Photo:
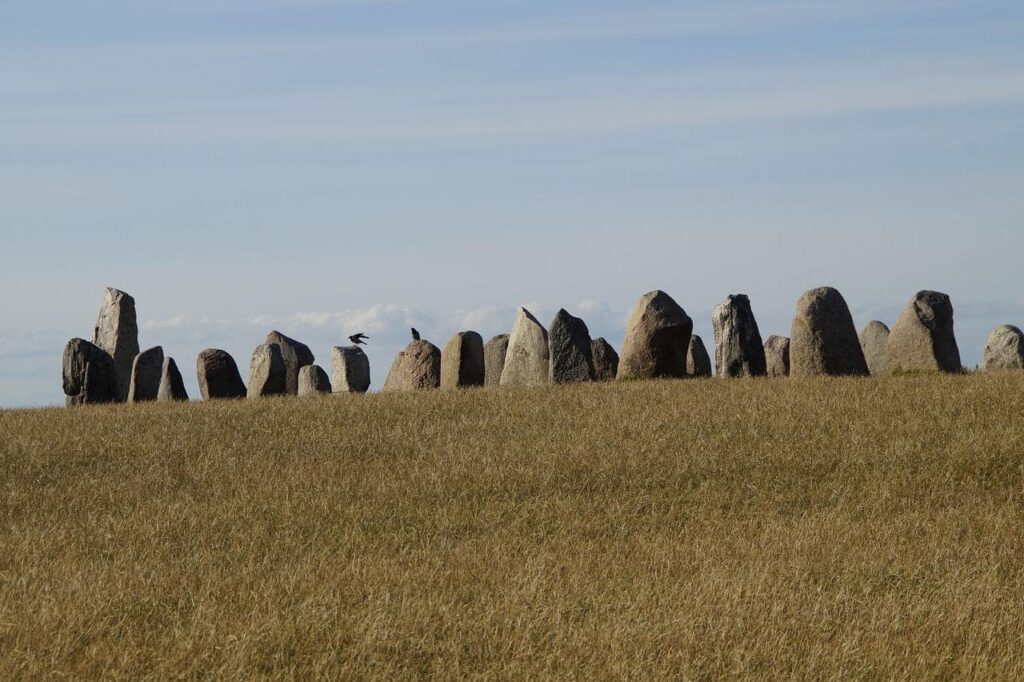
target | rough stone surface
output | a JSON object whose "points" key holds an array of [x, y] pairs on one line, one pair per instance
{"points": [[739, 349], [313, 380], [117, 332], [416, 368], [776, 356], [296, 356], [218, 375], [267, 372], [1005, 349], [874, 341], [698, 362], [922, 338], [89, 375], [657, 339], [606, 360], [350, 370], [824, 340], [146, 372], [570, 351], [172, 386], [494, 359], [527, 359], [462, 361]]}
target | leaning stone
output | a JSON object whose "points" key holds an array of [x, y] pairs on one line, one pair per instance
{"points": [[922, 338], [350, 369], [657, 339], [218, 375], [313, 380], [494, 359], [117, 332], [824, 340], [416, 368], [1005, 349], [267, 372], [572, 357], [146, 372], [698, 362], [172, 387], [296, 356], [89, 375], [462, 361], [606, 360], [739, 350], [874, 341], [527, 359], [776, 356]]}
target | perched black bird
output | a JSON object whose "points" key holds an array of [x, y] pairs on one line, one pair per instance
{"points": [[415, 334], [358, 339]]}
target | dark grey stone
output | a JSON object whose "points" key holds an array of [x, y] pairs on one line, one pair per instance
{"points": [[606, 360], [571, 355], [218, 375], [89, 375], [739, 350], [462, 361], [172, 386], [494, 359], [295, 354], [146, 372]]}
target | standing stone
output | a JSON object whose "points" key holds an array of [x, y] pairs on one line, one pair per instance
{"points": [[218, 375], [350, 369], [776, 356], [824, 340], [1005, 349], [313, 381], [267, 372], [296, 356], [874, 341], [739, 350], [571, 354], [146, 372], [89, 375], [657, 339], [117, 332], [462, 361], [527, 359], [922, 338], [494, 359], [172, 387], [606, 360], [416, 368], [698, 362]]}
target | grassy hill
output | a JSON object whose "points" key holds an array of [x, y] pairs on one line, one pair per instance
{"points": [[864, 528]]}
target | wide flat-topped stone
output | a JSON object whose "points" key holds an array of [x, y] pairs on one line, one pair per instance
{"points": [[218, 375], [350, 370], [89, 375]]}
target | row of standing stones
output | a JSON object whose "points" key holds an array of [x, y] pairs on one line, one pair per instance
{"points": [[659, 343]]}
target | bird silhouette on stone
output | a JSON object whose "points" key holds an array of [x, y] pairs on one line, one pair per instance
{"points": [[415, 334], [357, 339]]}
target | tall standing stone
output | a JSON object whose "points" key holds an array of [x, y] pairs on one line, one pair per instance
{"points": [[313, 380], [494, 359], [89, 375], [874, 341], [527, 358], [117, 332], [296, 355], [1005, 349], [571, 355], [146, 372], [698, 362], [267, 372], [606, 360], [172, 386], [218, 375], [922, 338], [824, 340], [657, 339], [776, 356], [416, 368], [350, 370], [462, 361], [739, 350]]}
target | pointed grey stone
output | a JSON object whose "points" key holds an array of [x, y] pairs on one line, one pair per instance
{"points": [[172, 386], [922, 339], [657, 339], [350, 369], [824, 340], [117, 332], [527, 359], [462, 361], [571, 355], [494, 359], [89, 375], [776, 356], [874, 341], [218, 375], [313, 381], [1005, 349], [698, 362], [606, 360], [296, 355], [267, 372], [145, 379], [739, 350]]}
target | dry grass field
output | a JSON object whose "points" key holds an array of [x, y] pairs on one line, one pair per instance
{"points": [[697, 529]]}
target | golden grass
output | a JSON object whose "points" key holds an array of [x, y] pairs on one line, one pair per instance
{"points": [[697, 529]]}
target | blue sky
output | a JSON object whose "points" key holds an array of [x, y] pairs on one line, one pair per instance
{"points": [[332, 167]]}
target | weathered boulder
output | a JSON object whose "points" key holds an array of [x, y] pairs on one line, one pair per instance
{"points": [[494, 359], [267, 372], [117, 332], [89, 375], [874, 341], [172, 386], [739, 350], [657, 339], [776, 356], [527, 359], [313, 380], [296, 355], [698, 362], [824, 340], [571, 355], [922, 338], [146, 372], [462, 361], [416, 368], [218, 375], [1005, 349], [350, 370], [606, 360]]}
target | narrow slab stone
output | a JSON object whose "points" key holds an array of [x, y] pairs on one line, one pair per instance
{"points": [[922, 339], [1004, 350], [350, 369], [267, 372], [569, 349], [776, 356], [296, 355], [494, 359], [698, 362], [657, 339], [146, 372], [172, 386], [739, 350], [416, 368], [824, 340], [462, 361], [218, 375], [313, 380], [606, 360], [527, 358], [874, 341], [89, 375], [117, 332]]}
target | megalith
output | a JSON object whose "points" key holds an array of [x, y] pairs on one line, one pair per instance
{"points": [[172, 386], [739, 350], [218, 375], [350, 370], [494, 359], [89, 375], [313, 380], [874, 341], [657, 339], [1004, 349], [527, 358], [606, 360], [296, 355], [146, 372], [416, 368], [698, 362], [267, 372], [462, 361], [922, 339], [824, 340], [117, 332], [569, 349], [776, 357]]}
